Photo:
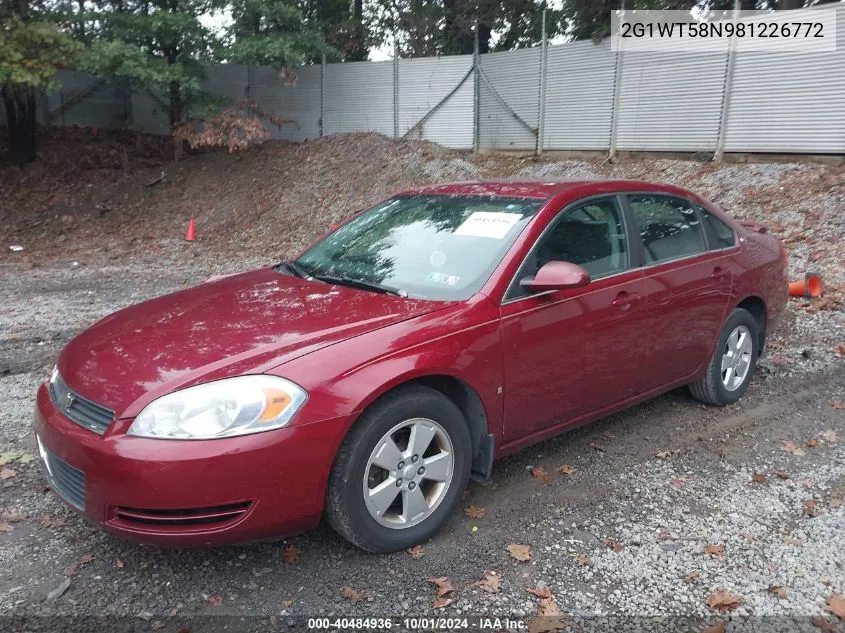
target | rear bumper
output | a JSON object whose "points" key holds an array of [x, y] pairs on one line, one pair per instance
{"points": [[190, 493]]}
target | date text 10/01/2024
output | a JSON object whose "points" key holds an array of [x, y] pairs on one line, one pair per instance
{"points": [[423, 623]]}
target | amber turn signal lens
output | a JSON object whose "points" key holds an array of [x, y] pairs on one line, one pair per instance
{"points": [[277, 402]]}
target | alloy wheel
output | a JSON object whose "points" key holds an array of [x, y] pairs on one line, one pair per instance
{"points": [[408, 473], [736, 358]]}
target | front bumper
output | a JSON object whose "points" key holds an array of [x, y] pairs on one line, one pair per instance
{"points": [[189, 493]]}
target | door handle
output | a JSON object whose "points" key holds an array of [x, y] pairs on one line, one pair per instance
{"points": [[624, 300], [719, 273]]}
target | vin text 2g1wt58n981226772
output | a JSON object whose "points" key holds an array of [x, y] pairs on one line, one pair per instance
{"points": [[370, 377]]}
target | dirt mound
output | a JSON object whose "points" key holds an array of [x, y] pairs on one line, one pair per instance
{"points": [[94, 195], [106, 196]]}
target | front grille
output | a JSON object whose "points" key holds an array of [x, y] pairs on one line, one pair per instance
{"points": [[78, 409], [207, 516], [67, 481]]}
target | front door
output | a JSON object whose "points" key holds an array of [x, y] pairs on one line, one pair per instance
{"points": [[573, 351]]}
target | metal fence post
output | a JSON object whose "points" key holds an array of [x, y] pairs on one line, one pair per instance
{"points": [[719, 154], [541, 98], [323, 96], [476, 94], [395, 89], [617, 89]]}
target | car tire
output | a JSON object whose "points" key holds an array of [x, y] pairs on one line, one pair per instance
{"points": [[364, 477], [734, 361]]}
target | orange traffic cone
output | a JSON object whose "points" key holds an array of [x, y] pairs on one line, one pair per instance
{"points": [[191, 233], [810, 286]]}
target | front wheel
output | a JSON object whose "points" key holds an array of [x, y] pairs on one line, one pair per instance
{"points": [[729, 371], [400, 472]]}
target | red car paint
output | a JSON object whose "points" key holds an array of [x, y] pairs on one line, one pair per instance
{"points": [[539, 365]]}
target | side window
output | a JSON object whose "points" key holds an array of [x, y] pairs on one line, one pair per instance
{"points": [[591, 234], [719, 234], [668, 226]]}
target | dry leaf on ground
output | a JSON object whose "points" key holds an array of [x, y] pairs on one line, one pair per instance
{"points": [[474, 512], [758, 478], [354, 596], [837, 404], [443, 585], [119, 564], [723, 601], [540, 592], [665, 454], [782, 474], [520, 552], [565, 469], [693, 576], [540, 473], [548, 607], [830, 435], [596, 447], [810, 508], [836, 605], [823, 624], [583, 559], [416, 552], [716, 627], [7, 473], [5, 527], [87, 557], [812, 442], [792, 447], [715, 550], [215, 600], [791, 540], [291, 554], [287, 604], [613, 544], [444, 588], [491, 583], [779, 591], [52, 522]]}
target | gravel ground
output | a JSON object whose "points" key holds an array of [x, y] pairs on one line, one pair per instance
{"points": [[666, 507]]}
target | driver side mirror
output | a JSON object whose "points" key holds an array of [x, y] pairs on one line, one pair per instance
{"points": [[556, 276]]}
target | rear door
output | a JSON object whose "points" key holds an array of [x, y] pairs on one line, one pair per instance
{"points": [[687, 285], [573, 351]]}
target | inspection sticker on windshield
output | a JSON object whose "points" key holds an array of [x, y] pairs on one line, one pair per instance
{"points": [[440, 278], [488, 224]]}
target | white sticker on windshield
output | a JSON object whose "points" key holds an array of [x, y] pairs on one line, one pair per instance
{"points": [[488, 224]]}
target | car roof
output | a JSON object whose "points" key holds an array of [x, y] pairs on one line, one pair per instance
{"points": [[541, 189]]}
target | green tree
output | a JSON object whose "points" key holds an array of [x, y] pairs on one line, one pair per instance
{"points": [[31, 50], [448, 27], [162, 45]]}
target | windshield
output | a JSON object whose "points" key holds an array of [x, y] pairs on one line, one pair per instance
{"points": [[438, 247]]}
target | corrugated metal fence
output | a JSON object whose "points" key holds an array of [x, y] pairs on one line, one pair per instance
{"points": [[594, 99]]}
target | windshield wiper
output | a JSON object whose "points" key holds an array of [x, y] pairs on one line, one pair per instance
{"points": [[295, 268], [363, 285]]}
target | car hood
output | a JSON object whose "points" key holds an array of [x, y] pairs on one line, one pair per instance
{"points": [[247, 323]]}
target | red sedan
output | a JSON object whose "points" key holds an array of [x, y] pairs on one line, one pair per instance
{"points": [[367, 380]]}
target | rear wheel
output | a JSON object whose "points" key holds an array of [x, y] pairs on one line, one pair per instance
{"points": [[729, 371], [400, 472]]}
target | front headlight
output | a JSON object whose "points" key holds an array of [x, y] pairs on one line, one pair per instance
{"points": [[233, 406]]}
